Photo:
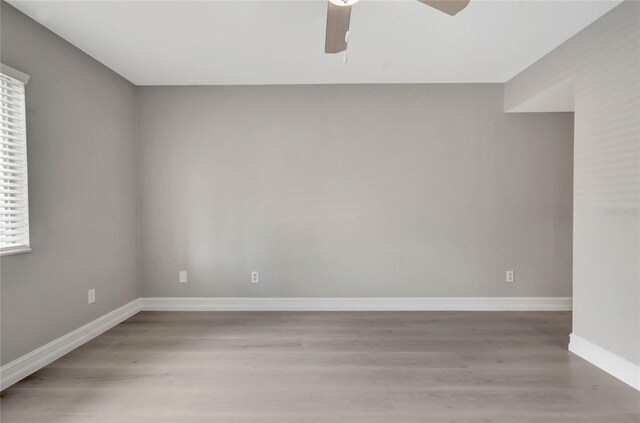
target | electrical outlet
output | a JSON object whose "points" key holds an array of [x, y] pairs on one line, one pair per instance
{"points": [[255, 277], [92, 296], [182, 276], [510, 276]]}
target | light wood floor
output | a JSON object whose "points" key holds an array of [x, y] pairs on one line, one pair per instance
{"points": [[230, 367]]}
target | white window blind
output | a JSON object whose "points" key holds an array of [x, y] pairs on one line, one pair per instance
{"points": [[14, 202]]}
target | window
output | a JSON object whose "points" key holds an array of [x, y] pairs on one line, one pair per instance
{"points": [[14, 201]]}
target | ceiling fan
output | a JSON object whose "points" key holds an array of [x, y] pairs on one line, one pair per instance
{"points": [[339, 15]]}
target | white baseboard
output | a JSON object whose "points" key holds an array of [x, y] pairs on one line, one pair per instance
{"points": [[611, 363], [357, 304], [29, 363]]}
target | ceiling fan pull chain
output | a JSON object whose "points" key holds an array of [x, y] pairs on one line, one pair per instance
{"points": [[346, 41]]}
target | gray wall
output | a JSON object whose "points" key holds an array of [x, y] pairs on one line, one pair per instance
{"points": [[385, 190], [604, 59], [82, 190]]}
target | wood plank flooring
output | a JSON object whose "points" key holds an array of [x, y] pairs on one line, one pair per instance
{"points": [[302, 367]]}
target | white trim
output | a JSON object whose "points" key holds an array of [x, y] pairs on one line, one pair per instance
{"points": [[7, 251], [15, 74], [355, 304], [23, 366], [611, 363]]}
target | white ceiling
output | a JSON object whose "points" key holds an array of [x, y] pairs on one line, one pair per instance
{"points": [[282, 42]]}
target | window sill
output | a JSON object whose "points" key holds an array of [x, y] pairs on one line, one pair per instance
{"points": [[14, 250]]}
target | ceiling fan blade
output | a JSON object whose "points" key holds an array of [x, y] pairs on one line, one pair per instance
{"points": [[450, 7], [338, 18]]}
